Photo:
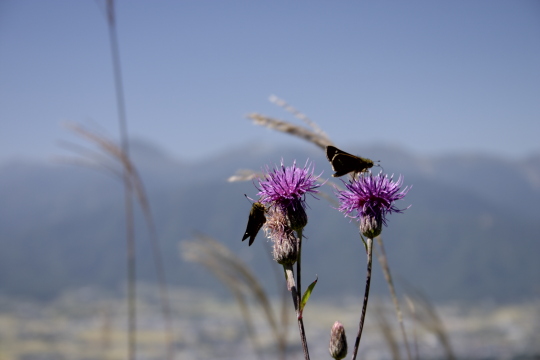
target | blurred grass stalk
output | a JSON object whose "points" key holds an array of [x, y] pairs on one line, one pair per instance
{"points": [[386, 330], [425, 314], [381, 256], [239, 279], [131, 178], [130, 230], [107, 160], [133, 186]]}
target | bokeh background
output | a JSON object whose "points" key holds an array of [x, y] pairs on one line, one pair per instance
{"points": [[445, 93]]}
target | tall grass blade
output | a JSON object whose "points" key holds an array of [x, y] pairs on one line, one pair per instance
{"points": [[110, 150], [383, 260], [233, 272]]}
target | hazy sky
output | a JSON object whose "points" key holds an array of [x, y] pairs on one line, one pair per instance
{"points": [[431, 76]]}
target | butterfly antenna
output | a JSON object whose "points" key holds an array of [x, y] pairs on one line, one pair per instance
{"points": [[379, 165], [249, 199]]}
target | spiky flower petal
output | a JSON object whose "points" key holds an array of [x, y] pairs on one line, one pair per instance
{"points": [[285, 188], [372, 197]]}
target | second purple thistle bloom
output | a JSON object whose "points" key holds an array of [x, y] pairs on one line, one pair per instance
{"points": [[372, 196]]}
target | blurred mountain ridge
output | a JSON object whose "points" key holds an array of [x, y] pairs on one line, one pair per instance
{"points": [[471, 233]]}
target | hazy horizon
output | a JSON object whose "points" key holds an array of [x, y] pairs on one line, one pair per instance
{"points": [[62, 154]]}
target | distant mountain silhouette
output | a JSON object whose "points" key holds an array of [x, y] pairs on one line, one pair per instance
{"points": [[471, 233]]}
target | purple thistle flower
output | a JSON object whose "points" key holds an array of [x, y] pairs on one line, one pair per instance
{"points": [[286, 185], [373, 197], [285, 188]]}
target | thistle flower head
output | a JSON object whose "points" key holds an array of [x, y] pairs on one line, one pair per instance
{"points": [[338, 341], [372, 197], [285, 249], [278, 230], [285, 188]]}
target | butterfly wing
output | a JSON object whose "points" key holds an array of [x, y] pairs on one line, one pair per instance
{"points": [[344, 163], [332, 151], [255, 221]]}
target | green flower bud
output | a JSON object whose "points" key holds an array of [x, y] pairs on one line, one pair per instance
{"points": [[370, 226]]}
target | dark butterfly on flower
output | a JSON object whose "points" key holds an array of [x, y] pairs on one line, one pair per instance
{"points": [[344, 163], [255, 222]]}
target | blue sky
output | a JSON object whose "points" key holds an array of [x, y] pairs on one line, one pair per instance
{"points": [[432, 76]]}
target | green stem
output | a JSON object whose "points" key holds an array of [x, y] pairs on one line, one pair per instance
{"points": [[369, 246], [298, 301]]}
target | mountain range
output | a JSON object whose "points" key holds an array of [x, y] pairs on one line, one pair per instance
{"points": [[471, 233]]}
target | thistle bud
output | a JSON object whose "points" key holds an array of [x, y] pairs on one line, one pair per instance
{"points": [[371, 226], [338, 341]]}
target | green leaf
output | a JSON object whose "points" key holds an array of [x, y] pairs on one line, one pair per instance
{"points": [[307, 294]]}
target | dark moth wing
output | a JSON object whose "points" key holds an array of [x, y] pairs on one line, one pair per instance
{"points": [[344, 163], [255, 221]]}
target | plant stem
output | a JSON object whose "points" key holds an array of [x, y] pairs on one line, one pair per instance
{"points": [[299, 272], [369, 245], [297, 297]]}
